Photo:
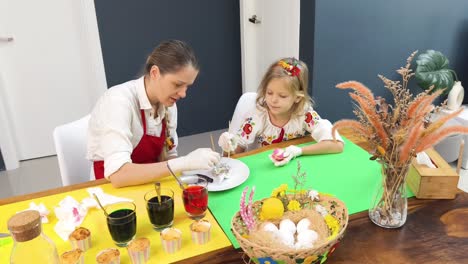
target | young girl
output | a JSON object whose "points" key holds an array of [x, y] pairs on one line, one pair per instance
{"points": [[284, 111]]}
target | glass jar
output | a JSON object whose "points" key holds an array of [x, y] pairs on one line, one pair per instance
{"points": [[31, 245], [389, 207]]}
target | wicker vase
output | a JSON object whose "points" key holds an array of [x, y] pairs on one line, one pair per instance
{"points": [[389, 205]]}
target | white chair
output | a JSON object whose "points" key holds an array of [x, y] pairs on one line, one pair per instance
{"points": [[70, 144], [245, 104]]}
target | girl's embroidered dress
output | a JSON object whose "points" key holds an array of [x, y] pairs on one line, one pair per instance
{"points": [[257, 128]]}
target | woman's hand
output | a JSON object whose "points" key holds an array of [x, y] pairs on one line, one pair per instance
{"points": [[199, 159]]}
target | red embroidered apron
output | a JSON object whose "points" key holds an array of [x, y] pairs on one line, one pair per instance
{"points": [[148, 149]]}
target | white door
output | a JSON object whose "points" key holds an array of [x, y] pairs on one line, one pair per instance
{"points": [[274, 35], [51, 73]]}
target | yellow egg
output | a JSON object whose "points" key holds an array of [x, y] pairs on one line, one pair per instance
{"points": [[272, 208]]}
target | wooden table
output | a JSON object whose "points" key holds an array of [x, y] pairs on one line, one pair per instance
{"points": [[436, 231]]}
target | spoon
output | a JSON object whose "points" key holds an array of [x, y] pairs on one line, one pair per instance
{"points": [[229, 129], [157, 186], [100, 205], [212, 143], [181, 184]]}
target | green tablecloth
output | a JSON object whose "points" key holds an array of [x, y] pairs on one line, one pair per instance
{"points": [[350, 176]]}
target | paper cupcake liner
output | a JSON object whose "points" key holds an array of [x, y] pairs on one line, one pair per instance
{"points": [[115, 261], [140, 256], [83, 244], [81, 259], [201, 238], [171, 246]]}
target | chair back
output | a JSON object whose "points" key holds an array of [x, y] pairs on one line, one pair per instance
{"points": [[246, 104], [70, 144]]}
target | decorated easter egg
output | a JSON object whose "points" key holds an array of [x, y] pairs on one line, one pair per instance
{"points": [[279, 154], [287, 225]]}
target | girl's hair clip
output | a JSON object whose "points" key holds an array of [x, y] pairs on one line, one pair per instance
{"points": [[291, 69]]}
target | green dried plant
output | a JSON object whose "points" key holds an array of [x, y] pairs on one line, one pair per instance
{"points": [[300, 178]]}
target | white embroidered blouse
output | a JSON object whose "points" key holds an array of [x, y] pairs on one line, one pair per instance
{"points": [[116, 128], [257, 129]]}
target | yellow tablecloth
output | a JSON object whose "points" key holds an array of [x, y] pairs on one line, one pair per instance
{"points": [[95, 221]]}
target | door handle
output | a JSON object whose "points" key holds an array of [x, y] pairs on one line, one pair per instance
{"points": [[255, 20], [6, 39]]}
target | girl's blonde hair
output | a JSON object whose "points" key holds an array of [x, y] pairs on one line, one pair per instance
{"points": [[297, 83]]}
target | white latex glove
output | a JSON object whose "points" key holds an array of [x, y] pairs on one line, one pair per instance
{"points": [[199, 159], [289, 153], [228, 142]]}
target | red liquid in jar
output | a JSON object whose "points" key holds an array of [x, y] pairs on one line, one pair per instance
{"points": [[195, 199]]}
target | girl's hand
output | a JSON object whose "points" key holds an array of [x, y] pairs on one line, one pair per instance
{"points": [[228, 142], [281, 157]]}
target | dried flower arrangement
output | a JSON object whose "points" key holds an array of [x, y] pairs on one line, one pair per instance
{"points": [[396, 133], [291, 225]]}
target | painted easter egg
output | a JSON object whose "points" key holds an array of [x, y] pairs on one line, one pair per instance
{"points": [[279, 154]]}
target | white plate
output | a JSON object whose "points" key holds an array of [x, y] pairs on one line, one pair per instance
{"points": [[238, 174]]}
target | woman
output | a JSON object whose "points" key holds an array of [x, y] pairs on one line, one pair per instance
{"points": [[132, 136]]}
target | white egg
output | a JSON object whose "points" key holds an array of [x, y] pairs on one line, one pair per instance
{"points": [[307, 237], [286, 237], [288, 225], [269, 226], [301, 245], [304, 224]]}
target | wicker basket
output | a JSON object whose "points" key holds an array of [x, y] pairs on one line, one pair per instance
{"points": [[322, 248]]}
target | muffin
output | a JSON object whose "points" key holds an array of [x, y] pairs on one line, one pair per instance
{"points": [[80, 238], [139, 250], [75, 256], [171, 240], [201, 231], [108, 256]]}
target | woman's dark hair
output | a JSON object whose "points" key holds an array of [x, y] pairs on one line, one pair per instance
{"points": [[170, 56]]}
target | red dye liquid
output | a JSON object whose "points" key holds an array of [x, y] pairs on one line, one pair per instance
{"points": [[195, 199]]}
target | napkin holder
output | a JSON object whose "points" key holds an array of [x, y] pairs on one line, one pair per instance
{"points": [[433, 183]]}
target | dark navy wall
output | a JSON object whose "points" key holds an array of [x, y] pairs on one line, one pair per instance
{"points": [[129, 30], [356, 40], [306, 37]]}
